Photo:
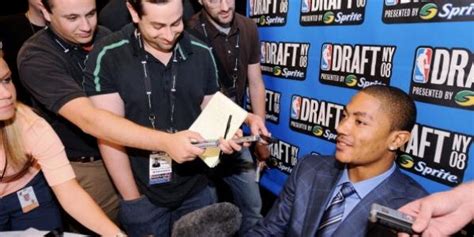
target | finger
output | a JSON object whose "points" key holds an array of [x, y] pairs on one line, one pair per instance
{"points": [[234, 145], [423, 217], [225, 146], [194, 136]]}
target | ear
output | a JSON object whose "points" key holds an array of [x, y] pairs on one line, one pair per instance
{"points": [[398, 139], [46, 14], [133, 13], [200, 2]]}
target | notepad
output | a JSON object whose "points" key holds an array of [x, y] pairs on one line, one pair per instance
{"points": [[212, 123]]}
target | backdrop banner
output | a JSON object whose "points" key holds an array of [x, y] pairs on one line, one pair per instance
{"points": [[316, 54]]}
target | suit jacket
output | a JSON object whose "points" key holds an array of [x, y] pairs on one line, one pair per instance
{"points": [[299, 209]]}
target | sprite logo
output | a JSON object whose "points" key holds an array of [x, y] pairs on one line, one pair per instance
{"points": [[464, 98], [351, 80], [428, 11], [328, 17], [317, 130], [406, 161], [261, 20], [277, 71]]}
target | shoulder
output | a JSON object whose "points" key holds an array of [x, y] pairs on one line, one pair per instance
{"points": [[120, 37], [245, 22], [29, 121], [195, 43], [194, 21], [317, 165], [40, 45], [405, 186]]}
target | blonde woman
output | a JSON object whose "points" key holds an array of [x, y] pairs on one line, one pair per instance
{"points": [[31, 158]]}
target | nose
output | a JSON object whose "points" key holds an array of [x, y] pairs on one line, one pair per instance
{"points": [[225, 5], [343, 127], [5, 93], [168, 34], [85, 25]]}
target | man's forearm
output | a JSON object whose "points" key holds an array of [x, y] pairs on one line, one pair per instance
{"points": [[108, 126], [118, 165]]}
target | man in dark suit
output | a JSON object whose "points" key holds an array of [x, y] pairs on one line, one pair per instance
{"points": [[332, 197]]}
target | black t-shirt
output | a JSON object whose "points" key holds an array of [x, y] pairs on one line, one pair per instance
{"points": [[115, 66], [14, 31], [52, 71]]}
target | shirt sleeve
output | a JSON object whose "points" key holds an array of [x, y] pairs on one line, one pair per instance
{"points": [[45, 76], [44, 145], [98, 76], [254, 56]]}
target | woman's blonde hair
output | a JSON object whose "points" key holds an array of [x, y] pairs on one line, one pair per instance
{"points": [[12, 142]]}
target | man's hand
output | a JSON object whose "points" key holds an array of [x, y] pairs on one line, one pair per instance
{"points": [[256, 124], [179, 147], [229, 146], [440, 214]]}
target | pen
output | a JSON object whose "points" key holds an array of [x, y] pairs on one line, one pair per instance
{"points": [[227, 126]]}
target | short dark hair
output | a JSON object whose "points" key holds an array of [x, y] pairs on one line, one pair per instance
{"points": [[138, 5], [47, 5], [400, 107]]}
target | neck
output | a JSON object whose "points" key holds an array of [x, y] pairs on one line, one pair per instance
{"points": [[364, 172], [163, 56], [35, 17], [217, 24]]}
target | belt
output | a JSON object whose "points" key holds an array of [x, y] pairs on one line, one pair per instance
{"points": [[84, 159]]}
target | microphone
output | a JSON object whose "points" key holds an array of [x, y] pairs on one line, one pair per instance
{"points": [[216, 220]]}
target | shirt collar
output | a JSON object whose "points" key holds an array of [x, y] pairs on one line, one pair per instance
{"points": [[182, 49], [66, 46], [365, 187]]}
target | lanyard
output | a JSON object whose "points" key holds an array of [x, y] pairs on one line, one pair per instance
{"points": [[148, 88], [236, 53]]}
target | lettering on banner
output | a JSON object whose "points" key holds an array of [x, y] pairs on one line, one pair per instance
{"points": [[268, 12], [444, 77], [272, 105], [436, 154], [332, 12], [284, 155], [317, 118], [356, 66], [287, 60], [418, 11]]}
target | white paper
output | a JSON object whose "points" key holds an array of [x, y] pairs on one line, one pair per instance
{"points": [[212, 123]]}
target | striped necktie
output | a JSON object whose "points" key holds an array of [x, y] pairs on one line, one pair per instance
{"points": [[333, 215]]}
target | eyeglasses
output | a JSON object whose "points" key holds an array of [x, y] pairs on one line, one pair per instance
{"points": [[217, 2]]}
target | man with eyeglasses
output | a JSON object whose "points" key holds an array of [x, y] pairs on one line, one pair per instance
{"points": [[235, 42]]}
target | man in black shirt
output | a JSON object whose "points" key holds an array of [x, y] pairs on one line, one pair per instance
{"points": [[50, 67], [156, 75]]}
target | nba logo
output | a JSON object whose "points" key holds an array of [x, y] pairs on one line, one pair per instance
{"points": [[391, 2], [295, 107], [326, 57], [421, 70], [305, 6]]}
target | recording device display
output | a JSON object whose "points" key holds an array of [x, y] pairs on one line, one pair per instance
{"points": [[254, 138], [391, 218]]}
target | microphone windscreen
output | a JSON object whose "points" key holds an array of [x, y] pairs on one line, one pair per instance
{"points": [[216, 220]]}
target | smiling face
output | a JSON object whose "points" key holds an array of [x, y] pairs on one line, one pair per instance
{"points": [[7, 92], [221, 12], [160, 25], [73, 20], [364, 135]]}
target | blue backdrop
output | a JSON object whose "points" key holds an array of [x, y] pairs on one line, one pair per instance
{"points": [[316, 54]]}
